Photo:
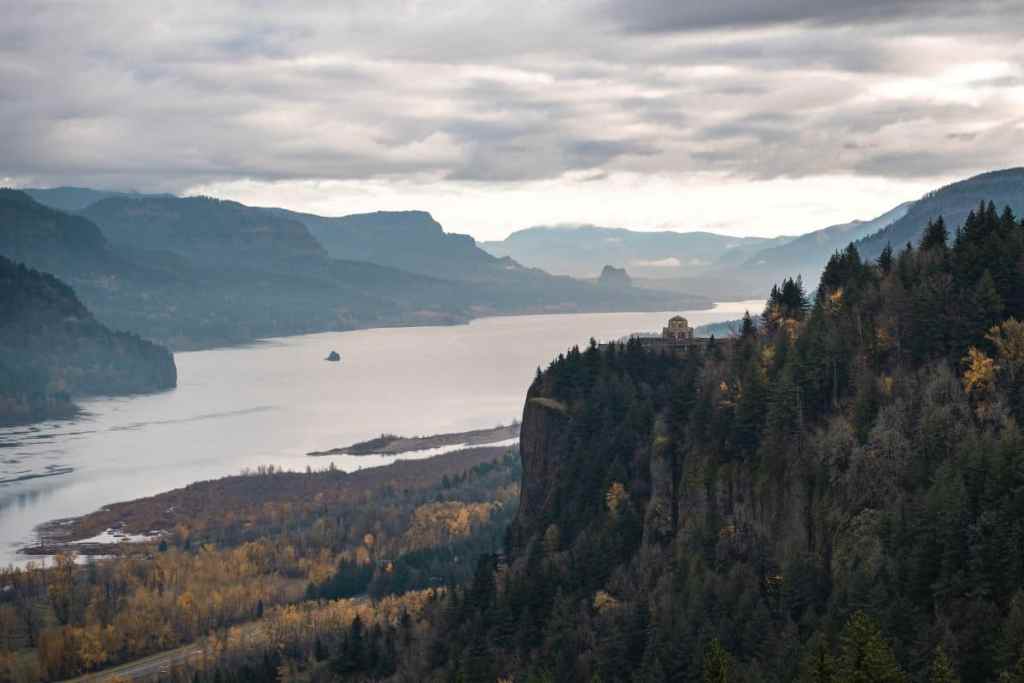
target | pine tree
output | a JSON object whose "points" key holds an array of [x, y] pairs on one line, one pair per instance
{"points": [[748, 330], [941, 670], [818, 665], [319, 651], [935, 235], [356, 644], [864, 656], [717, 664], [750, 410], [885, 259], [987, 305]]}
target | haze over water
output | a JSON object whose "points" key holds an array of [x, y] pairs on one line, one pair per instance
{"points": [[272, 402]]}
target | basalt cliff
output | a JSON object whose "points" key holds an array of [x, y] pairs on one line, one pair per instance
{"points": [[832, 495]]}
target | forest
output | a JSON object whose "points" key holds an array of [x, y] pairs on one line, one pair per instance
{"points": [[52, 349], [271, 567], [835, 494]]}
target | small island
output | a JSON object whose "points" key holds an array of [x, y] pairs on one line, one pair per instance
{"points": [[333, 357], [392, 444]]}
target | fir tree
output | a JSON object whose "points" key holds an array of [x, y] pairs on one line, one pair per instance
{"points": [[941, 670], [864, 656], [885, 260], [717, 664], [935, 235]]}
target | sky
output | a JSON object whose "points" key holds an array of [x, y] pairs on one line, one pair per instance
{"points": [[743, 117]]}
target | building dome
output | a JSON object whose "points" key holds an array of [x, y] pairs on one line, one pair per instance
{"points": [[678, 329]]}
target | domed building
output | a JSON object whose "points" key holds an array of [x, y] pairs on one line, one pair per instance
{"points": [[677, 330]]}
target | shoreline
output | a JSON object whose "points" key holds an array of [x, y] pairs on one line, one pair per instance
{"points": [[707, 305], [392, 444], [135, 524]]}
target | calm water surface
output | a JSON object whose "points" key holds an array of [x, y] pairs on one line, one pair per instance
{"points": [[273, 402]]}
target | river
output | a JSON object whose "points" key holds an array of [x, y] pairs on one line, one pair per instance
{"points": [[274, 401]]}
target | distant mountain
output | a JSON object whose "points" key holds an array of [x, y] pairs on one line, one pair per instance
{"points": [[204, 229], [614, 277], [414, 241], [209, 290], [583, 251], [50, 240], [52, 349], [806, 254], [196, 272], [77, 198], [409, 240], [953, 202]]}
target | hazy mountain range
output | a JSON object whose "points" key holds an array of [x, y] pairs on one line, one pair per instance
{"points": [[583, 250], [953, 202], [728, 267], [52, 349], [195, 271]]}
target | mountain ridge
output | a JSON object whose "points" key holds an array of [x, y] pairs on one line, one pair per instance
{"points": [[52, 349], [196, 272], [1004, 187]]}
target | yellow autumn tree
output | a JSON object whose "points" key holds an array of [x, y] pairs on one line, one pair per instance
{"points": [[980, 375], [1008, 340], [616, 499]]}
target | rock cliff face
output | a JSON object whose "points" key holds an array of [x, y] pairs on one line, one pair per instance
{"points": [[204, 229], [847, 478], [542, 444], [579, 454], [614, 277], [409, 240]]}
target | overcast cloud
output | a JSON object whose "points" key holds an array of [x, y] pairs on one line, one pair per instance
{"points": [[741, 116]]}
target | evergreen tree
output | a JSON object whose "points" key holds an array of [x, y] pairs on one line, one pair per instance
{"points": [[935, 235], [864, 656], [748, 330], [885, 260], [818, 665], [717, 664], [941, 670]]}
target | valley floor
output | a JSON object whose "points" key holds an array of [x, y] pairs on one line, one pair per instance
{"points": [[222, 569]]}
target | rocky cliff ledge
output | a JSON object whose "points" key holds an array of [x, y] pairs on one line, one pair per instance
{"points": [[541, 440]]}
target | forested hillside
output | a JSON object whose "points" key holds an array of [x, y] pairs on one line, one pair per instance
{"points": [[51, 349], [205, 273], [197, 272], [237, 555], [410, 240], [836, 496], [203, 229], [953, 202]]}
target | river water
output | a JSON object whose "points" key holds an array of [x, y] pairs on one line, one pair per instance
{"points": [[274, 401]]}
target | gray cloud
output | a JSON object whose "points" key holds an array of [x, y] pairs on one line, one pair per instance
{"points": [[159, 97], [670, 15]]}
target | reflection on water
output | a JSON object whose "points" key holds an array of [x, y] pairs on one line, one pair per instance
{"points": [[273, 402]]}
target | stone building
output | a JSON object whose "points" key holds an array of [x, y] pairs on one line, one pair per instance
{"points": [[677, 330]]}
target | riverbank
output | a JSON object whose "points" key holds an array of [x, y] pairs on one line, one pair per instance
{"points": [[391, 444], [236, 500], [275, 401]]}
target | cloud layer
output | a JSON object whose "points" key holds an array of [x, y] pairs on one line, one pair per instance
{"points": [[495, 97]]}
